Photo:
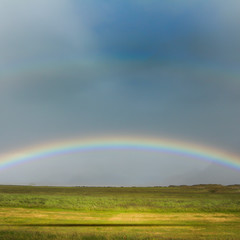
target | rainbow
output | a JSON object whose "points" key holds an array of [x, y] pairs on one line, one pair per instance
{"points": [[56, 64], [160, 145]]}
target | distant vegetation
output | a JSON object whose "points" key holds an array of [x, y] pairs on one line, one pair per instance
{"points": [[174, 212]]}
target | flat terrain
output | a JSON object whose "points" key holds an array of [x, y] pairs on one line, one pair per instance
{"points": [[174, 212]]}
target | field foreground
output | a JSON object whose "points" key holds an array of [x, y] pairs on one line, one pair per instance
{"points": [[175, 212]]}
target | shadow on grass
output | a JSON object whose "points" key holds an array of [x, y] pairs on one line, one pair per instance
{"points": [[108, 225]]}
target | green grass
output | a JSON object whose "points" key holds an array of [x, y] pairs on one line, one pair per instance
{"points": [[175, 212], [212, 198]]}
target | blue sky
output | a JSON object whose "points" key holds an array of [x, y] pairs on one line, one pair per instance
{"points": [[157, 68]]}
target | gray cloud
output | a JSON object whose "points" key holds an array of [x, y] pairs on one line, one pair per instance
{"points": [[212, 174], [71, 69], [112, 167]]}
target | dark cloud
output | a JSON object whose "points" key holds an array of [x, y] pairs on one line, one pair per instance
{"points": [[71, 69], [213, 174]]}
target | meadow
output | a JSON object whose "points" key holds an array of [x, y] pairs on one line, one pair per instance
{"points": [[174, 212]]}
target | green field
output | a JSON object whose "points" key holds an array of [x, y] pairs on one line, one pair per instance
{"points": [[174, 212]]}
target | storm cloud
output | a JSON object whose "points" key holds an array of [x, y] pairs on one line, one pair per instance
{"points": [[72, 69]]}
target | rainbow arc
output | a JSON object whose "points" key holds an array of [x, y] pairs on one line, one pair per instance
{"points": [[160, 145]]}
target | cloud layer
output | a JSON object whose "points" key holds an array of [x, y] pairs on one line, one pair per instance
{"points": [[79, 68]]}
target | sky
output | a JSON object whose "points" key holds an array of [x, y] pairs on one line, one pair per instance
{"points": [[79, 68]]}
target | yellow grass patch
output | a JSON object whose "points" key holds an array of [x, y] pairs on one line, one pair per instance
{"points": [[15, 215]]}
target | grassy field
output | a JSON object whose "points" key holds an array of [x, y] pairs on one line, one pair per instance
{"points": [[174, 212]]}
